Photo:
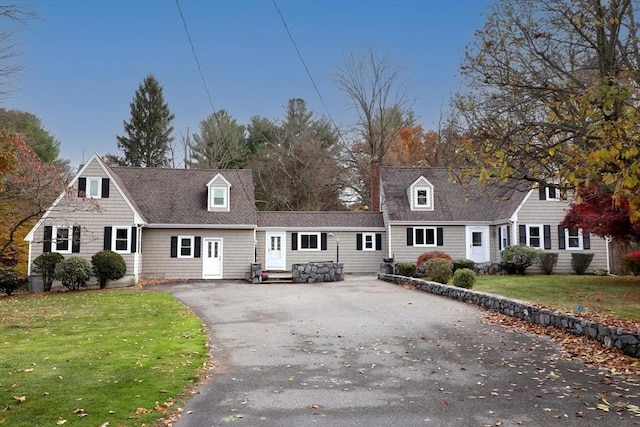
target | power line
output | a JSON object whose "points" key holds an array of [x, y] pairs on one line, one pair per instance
{"points": [[306, 68]]}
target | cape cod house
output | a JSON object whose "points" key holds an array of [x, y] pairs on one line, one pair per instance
{"points": [[203, 224]]}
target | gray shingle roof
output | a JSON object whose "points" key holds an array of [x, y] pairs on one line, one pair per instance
{"points": [[179, 196], [341, 219], [453, 201]]}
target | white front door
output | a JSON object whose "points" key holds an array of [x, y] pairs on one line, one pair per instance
{"points": [[478, 243], [275, 251], [212, 259]]}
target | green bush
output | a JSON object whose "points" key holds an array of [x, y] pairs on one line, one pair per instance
{"points": [[580, 261], [407, 269], [464, 278], [74, 272], [108, 265], [439, 269], [10, 280], [461, 263], [517, 258], [548, 260], [45, 264]]}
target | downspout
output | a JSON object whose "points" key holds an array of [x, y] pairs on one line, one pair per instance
{"points": [[136, 255], [606, 240]]}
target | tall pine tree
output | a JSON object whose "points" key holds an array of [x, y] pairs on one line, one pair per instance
{"points": [[148, 133]]}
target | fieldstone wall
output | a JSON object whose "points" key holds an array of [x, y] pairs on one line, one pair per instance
{"points": [[314, 272], [628, 342]]}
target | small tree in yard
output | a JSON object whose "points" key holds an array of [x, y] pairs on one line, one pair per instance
{"points": [[108, 265], [45, 264], [517, 258], [74, 272], [10, 280]]}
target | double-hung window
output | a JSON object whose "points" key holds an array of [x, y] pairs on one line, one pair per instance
{"points": [[61, 241], [309, 241], [219, 197], [121, 239], [534, 236], [424, 236], [368, 241], [185, 246], [94, 188], [573, 237]]}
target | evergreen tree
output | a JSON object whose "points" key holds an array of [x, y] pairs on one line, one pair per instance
{"points": [[148, 133]]}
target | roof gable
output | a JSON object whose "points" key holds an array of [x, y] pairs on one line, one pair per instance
{"points": [[420, 195]]}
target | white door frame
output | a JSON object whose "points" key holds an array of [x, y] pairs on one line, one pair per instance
{"points": [[470, 229], [205, 258], [283, 250]]}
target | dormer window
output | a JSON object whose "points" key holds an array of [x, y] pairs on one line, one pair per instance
{"points": [[218, 189], [421, 195]]}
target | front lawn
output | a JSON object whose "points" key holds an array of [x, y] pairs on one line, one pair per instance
{"points": [[600, 295], [94, 358]]}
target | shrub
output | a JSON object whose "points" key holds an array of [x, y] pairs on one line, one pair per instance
{"points": [[517, 258], [631, 262], [463, 263], [45, 264], [108, 265], [10, 280], [422, 259], [580, 261], [439, 269], [407, 269], [74, 272], [464, 278], [548, 260]]}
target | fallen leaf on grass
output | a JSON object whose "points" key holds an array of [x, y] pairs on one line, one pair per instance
{"points": [[19, 398]]}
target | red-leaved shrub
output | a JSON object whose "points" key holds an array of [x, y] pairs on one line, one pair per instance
{"points": [[632, 262], [430, 255]]}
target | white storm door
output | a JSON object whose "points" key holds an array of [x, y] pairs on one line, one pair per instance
{"points": [[212, 259], [478, 243], [275, 251]]}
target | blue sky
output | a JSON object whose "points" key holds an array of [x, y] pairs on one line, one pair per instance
{"points": [[85, 59]]}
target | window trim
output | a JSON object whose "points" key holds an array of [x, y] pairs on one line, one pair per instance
{"points": [[225, 195], [425, 245], [114, 239], [567, 239], [192, 246], [318, 241], [429, 197], [540, 237], [88, 187], [54, 239], [373, 241], [504, 237], [548, 190]]}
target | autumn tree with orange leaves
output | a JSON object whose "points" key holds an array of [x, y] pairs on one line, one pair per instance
{"points": [[413, 146], [27, 187]]}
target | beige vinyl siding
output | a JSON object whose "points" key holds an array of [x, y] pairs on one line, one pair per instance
{"points": [[355, 261], [453, 239], [92, 215], [552, 212], [237, 253]]}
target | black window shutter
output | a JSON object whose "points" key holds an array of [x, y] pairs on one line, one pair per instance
{"points": [[409, 236], [174, 246], [547, 236], [439, 236], [586, 241], [75, 242], [197, 246], [500, 237], [323, 241], [107, 238], [378, 241], [522, 231], [561, 242], [48, 231], [542, 190], [105, 188], [508, 235], [82, 187], [134, 240], [359, 241], [294, 241]]}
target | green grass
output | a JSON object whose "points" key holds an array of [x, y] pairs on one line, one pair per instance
{"points": [[604, 295], [94, 357]]}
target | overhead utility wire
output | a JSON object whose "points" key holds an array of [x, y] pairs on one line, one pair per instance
{"points": [[306, 68], [206, 89]]}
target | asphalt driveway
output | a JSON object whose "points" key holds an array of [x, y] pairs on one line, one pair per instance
{"points": [[368, 353]]}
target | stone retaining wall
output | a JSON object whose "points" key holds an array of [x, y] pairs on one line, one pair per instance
{"points": [[314, 272], [628, 342]]}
